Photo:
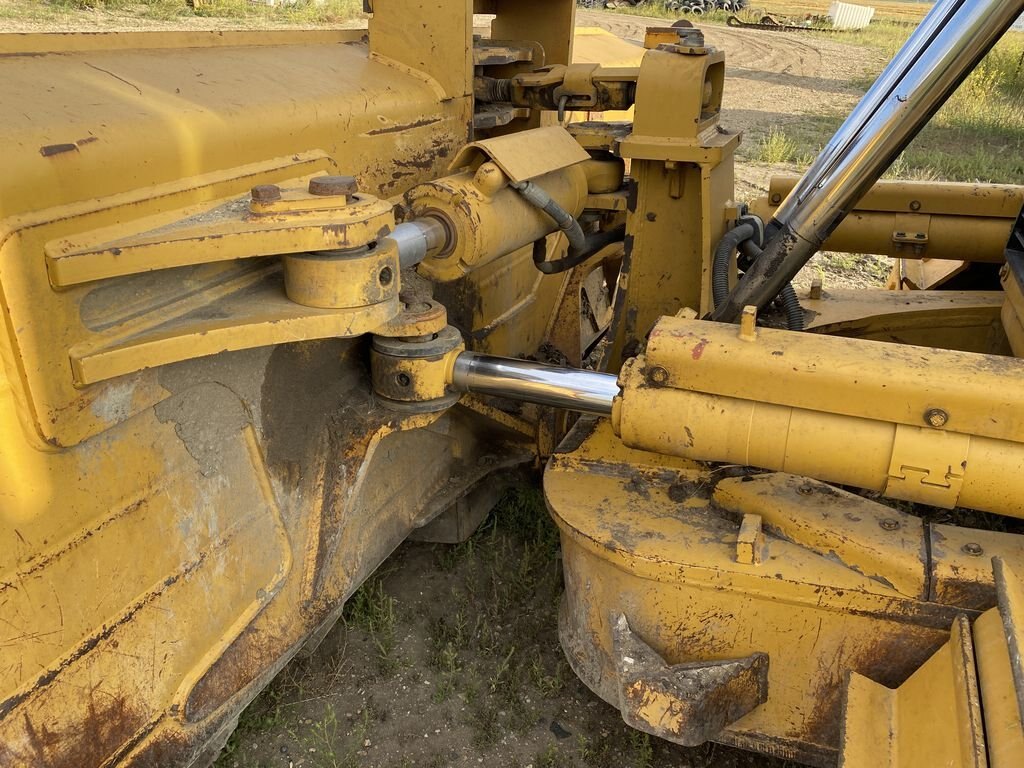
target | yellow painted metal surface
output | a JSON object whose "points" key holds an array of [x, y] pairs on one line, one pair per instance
{"points": [[936, 427], [919, 219], [642, 537], [1012, 313], [220, 231], [865, 535], [968, 321], [682, 176], [181, 509], [486, 217], [1004, 732], [897, 729], [165, 377]]}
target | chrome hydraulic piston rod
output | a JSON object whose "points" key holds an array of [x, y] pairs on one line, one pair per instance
{"points": [[573, 389], [943, 50]]}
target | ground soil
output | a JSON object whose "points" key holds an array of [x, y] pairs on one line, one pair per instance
{"points": [[467, 671]]}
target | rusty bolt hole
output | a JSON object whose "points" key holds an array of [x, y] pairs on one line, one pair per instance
{"points": [[386, 276], [403, 379]]}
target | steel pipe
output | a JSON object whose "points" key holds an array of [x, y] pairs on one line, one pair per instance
{"points": [[569, 388], [940, 54], [840, 142]]}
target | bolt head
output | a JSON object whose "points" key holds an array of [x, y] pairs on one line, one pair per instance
{"points": [[776, 198], [972, 549], [327, 186], [806, 489], [936, 417], [657, 376], [889, 524], [915, 205], [266, 193]]}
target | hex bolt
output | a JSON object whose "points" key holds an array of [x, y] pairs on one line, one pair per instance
{"points": [[386, 275], [972, 549], [776, 198], [936, 417], [403, 379], [657, 376], [805, 490], [915, 205], [329, 186], [265, 193], [889, 524]]}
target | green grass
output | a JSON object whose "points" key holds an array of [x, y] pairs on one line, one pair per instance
{"points": [[953, 147], [373, 610], [776, 147], [300, 11], [977, 136]]}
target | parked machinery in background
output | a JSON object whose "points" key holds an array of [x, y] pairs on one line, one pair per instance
{"points": [[273, 301], [696, 7]]}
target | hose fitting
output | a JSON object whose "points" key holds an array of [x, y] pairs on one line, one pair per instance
{"points": [[538, 198]]}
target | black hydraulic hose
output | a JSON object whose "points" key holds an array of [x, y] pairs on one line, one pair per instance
{"points": [[723, 260], [740, 237], [538, 198], [594, 242], [794, 312]]}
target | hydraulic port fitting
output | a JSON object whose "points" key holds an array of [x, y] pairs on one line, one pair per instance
{"points": [[485, 218]]}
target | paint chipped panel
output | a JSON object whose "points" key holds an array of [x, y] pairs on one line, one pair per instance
{"points": [[124, 631]]}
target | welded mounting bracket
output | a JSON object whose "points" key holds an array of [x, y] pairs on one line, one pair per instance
{"points": [[687, 703]]}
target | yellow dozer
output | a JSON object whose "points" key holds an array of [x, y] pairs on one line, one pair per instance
{"points": [[273, 301]]}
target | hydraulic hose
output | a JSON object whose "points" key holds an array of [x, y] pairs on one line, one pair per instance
{"points": [[594, 242], [724, 254], [538, 198], [940, 54], [740, 237], [791, 304]]}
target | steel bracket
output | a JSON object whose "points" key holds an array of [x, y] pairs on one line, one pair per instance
{"points": [[687, 703]]}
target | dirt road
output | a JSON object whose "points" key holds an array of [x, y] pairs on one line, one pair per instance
{"points": [[772, 78]]}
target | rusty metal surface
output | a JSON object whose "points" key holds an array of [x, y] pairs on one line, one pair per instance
{"points": [[641, 537], [172, 537], [688, 703]]}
